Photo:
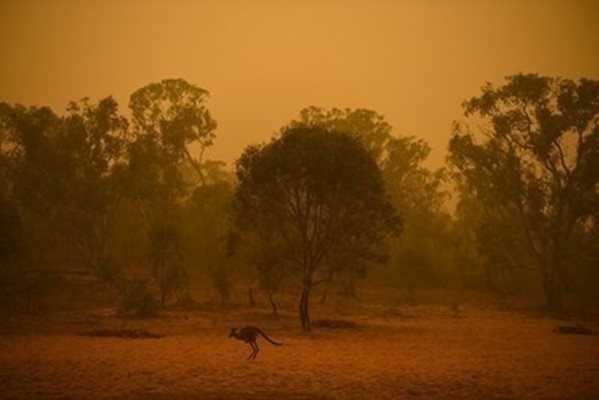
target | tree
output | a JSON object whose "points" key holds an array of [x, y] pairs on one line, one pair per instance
{"points": [[317, 189], [416, 192], [369, 127], [206, 224], [68, 171], [207, 215], [490, 243], [415, 189], [540, 156], [266, 254], [172, 113], [423, 250], [169, 120], [11, 245]]}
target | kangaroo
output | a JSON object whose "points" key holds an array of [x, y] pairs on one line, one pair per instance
{"points": [[249, 334]]}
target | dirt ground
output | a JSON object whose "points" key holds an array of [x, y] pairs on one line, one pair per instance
{"points": [[419, 352]]}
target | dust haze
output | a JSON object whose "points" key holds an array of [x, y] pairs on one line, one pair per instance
{"points": [[268, 199]]}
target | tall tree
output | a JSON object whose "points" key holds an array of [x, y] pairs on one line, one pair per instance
{"points": [[317, 190], [171, 122], [416, 191], [539, 155], [68, 170], [174, 115], [369, 127]]}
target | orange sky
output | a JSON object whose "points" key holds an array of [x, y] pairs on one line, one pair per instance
{"points": [[262, 61]]}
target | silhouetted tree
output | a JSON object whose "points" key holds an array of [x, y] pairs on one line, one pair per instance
{"points": [[266, 252], [11, 245], [415, 190], [220, 275], [370, 128], [169, 119], [207, 221], [540, 156], [172, 114], [499, 241], [68, 171], [422, 252], [315, 189]]}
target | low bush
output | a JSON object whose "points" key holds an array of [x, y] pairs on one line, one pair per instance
{"points": [[122, 333], [335, 324], [139, 299]]}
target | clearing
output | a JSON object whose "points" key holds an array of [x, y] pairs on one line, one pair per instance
{"points": [[420, 352]]}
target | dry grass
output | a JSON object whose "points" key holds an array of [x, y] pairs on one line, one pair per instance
{"points": [[482, 355]]}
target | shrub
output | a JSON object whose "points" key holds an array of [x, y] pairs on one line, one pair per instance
{"points": [[123, 333], [138, 299], [335, 324]]}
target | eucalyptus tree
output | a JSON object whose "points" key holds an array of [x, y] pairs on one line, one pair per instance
{"points": [[171, 123], [68, 171], [416, 191], [536, 152], [315, 190]]}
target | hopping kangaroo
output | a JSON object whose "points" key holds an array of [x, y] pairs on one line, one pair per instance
{"points": [[249, 334]]}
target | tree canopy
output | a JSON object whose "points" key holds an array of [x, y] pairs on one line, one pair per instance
{"points": [[318, 190], [539, 156]]}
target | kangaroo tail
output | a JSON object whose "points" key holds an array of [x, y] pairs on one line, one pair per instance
{"points": [[269, 339]]}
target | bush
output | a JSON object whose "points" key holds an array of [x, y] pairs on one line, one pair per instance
{"points": [[138, 299], [335, 324], [578, 329], [221, 281], [108, 271], [123, 333]]}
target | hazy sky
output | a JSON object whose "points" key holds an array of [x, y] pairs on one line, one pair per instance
{"points": [[262, 61]]}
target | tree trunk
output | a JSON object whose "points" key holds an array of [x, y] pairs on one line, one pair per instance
{"points": [[553, 275], [328, 283], [303, 306], [411, 296], [553, 293], [271, 299], [224, 298], [324, 295], [553, 284], [251, 299], [349, 289]]}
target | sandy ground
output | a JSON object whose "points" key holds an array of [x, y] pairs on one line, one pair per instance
{"points": [[425, 354]]}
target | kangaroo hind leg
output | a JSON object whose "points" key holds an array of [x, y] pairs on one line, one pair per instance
{"points": [[251, 356], [256, 351]]}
